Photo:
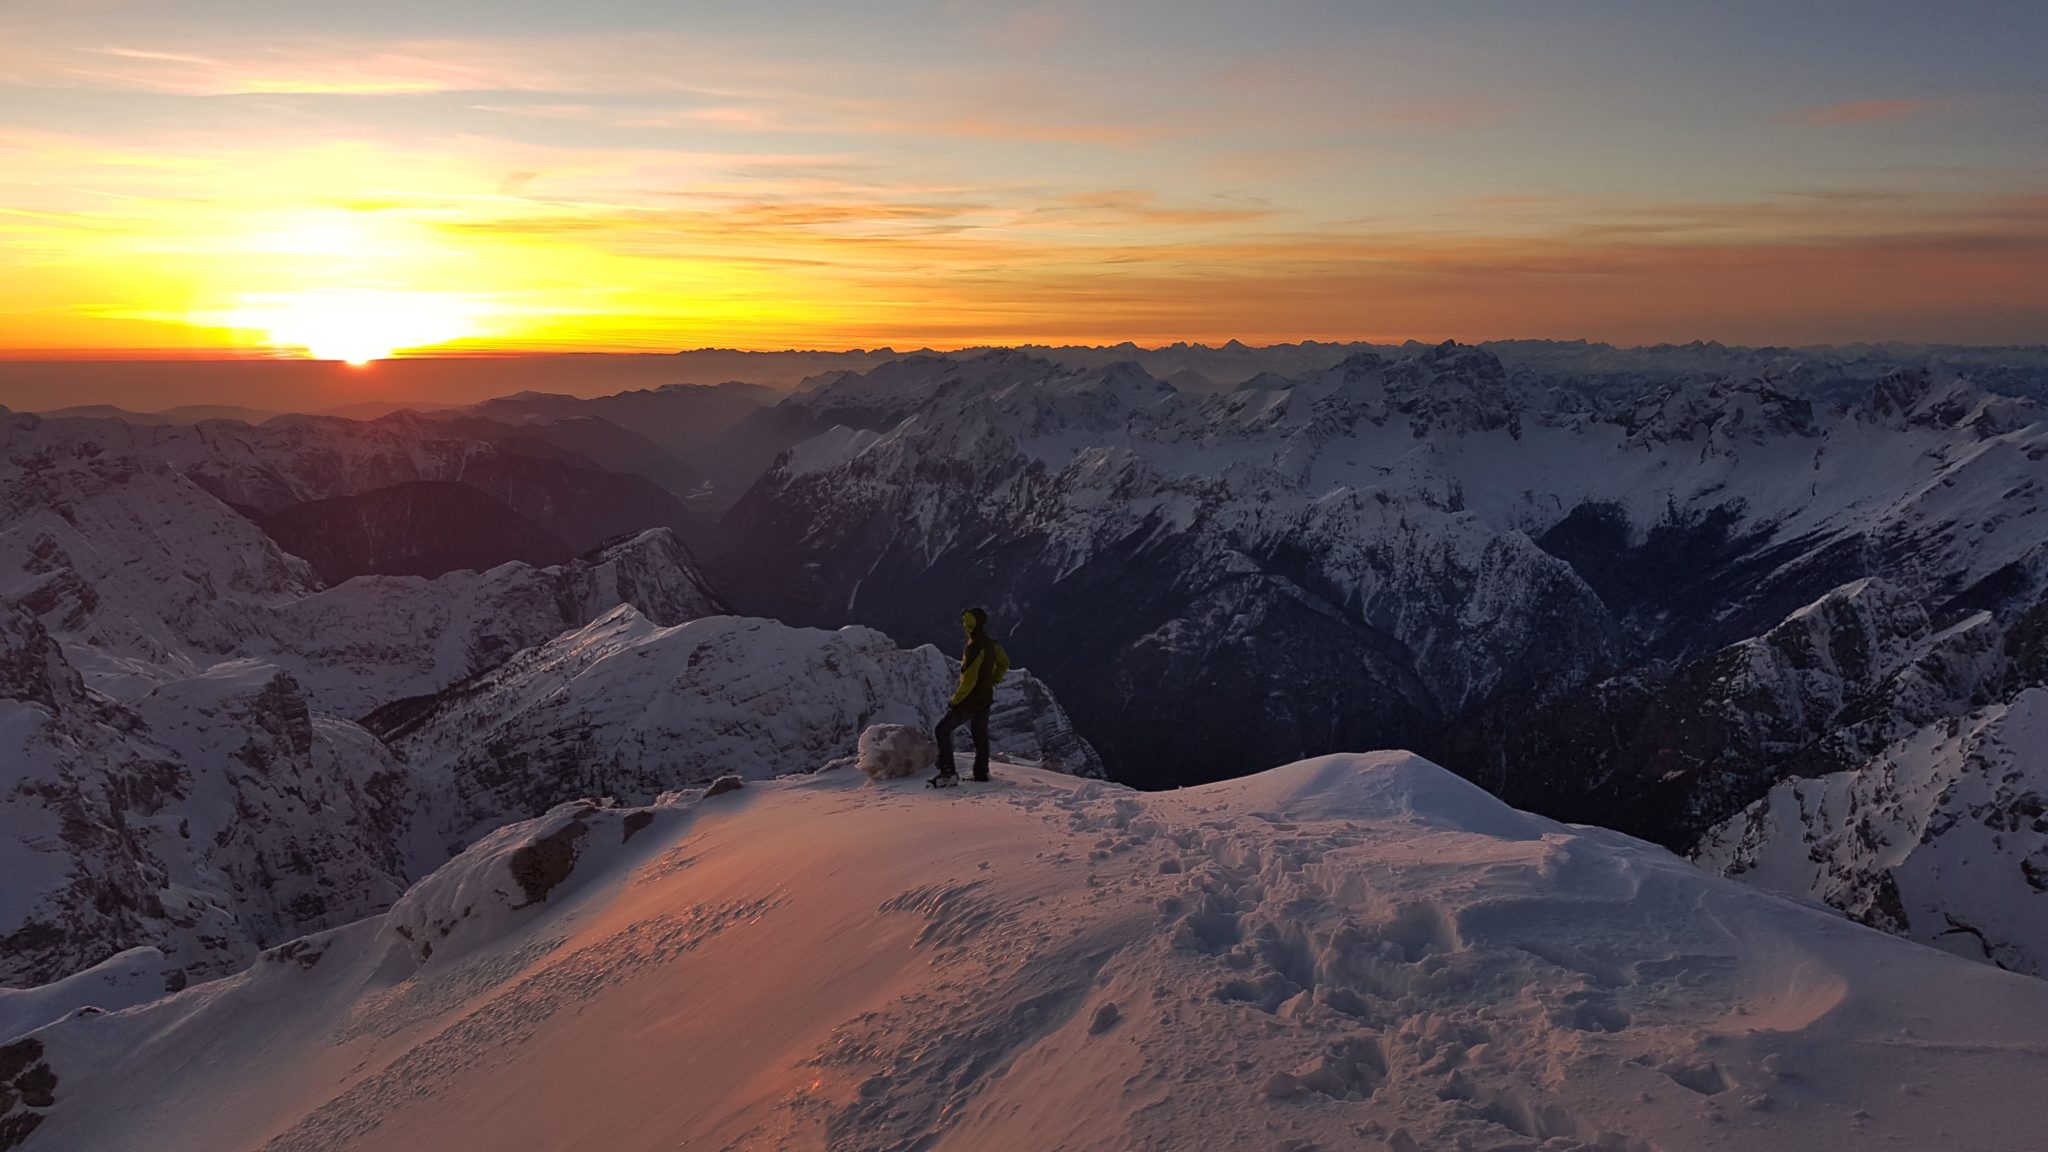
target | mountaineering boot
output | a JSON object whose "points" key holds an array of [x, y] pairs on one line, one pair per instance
{"points": [[944, 780]]}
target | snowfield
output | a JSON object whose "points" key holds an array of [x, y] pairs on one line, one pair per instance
{"points": [[1349, 952]]}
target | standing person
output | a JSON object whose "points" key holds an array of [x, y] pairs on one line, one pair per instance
{"points": [[981, 667]]}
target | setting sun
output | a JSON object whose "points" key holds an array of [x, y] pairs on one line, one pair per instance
{"points": [[355, 325]]}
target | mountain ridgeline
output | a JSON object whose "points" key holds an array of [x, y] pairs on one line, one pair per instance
{"points": [[1638, 608], [205, 751], [1782, 610]]}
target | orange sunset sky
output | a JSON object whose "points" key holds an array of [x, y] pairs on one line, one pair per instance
{"points": [[350, 180]]}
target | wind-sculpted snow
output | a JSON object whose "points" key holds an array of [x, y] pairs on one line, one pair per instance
{"points": [[1350, 952], [474, 900], [122, 980], [1640, 600]]}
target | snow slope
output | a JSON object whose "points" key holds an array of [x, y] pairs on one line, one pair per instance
{"points": [[1350, 952]]}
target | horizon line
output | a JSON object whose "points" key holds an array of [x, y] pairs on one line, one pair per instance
{"points": [[263, 356]]}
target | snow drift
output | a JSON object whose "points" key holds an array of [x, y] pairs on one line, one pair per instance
{"points": [[1355, 951]]}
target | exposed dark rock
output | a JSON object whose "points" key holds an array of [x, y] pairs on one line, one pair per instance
{"points": [[302, 952], [634, 822], [16, 1058], [16, 1126], [541, 865], [38, 1086]]}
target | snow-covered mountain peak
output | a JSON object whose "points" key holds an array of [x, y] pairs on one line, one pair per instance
{"points": [[624, 707], [900, 385], [1657, 593], [1942, 839], [1918, 398], [114, 550], [1386, 789]]}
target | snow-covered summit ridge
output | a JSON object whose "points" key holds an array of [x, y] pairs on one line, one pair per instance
{"points": [[1352, 952], [1393, 788]]}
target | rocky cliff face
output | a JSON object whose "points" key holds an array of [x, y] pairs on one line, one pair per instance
{"points": [[216, 813], [125, 559], [1942, 838], [145, 577]]}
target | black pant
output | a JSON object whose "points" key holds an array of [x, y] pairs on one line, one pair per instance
{"points": [[975, 716]]}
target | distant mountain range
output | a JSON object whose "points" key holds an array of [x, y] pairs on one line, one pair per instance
{"points": [[1781, 608], [262, 385], [1643, 606]]}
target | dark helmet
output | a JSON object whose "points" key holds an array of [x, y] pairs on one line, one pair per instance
{"points": [[974, 619]]}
